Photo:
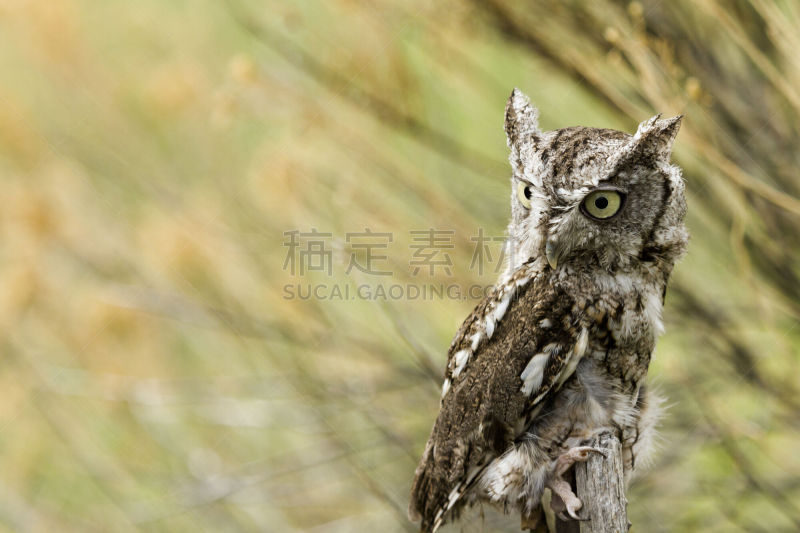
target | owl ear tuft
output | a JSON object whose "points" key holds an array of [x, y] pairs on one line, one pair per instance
{"points": [[655, 136], [522, 118]]}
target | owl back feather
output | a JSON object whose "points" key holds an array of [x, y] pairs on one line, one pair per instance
{"points": [[490, 402]]}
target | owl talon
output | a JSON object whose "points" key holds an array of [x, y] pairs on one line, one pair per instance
{"points": [[564, 498], [579, 454], [575, 517], [562, 489], [565, 518]]}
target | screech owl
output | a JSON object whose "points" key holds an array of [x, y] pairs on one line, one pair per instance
{"points": [[558, 350]]}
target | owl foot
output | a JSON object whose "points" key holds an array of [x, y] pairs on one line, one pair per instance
{"points": [[566, 498]]}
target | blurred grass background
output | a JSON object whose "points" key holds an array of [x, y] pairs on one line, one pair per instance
{"points": [[156, 376]]}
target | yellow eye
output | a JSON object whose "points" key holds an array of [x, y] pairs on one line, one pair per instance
{"points": [[602, 204], [524, 194]]}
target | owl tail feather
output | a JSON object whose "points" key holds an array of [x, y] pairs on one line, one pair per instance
{"points": [[426, 505], [430, 501]]}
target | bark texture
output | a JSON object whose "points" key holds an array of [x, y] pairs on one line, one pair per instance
{"points": [[601, 488]]}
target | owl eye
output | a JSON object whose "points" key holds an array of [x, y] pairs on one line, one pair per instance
{"points": [[602, 204], [524, 194]]}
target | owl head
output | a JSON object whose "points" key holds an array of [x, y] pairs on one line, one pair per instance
{"points": [[587, 198]]}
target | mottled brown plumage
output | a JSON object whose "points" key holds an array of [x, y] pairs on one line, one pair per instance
{"points": [[558, 351]]}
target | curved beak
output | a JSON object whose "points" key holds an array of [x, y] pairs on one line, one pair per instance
{"points": [[551, 252]]}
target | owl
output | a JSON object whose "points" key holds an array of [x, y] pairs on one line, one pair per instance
{"points": [[558, 350]]}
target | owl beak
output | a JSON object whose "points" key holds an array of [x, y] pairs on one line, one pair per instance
{"points": [[551, 253]]}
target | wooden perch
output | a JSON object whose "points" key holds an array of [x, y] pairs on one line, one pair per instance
{"points": [[601, 487]]}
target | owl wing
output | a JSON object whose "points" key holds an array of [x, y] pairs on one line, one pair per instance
{"points": [[501, 364]]}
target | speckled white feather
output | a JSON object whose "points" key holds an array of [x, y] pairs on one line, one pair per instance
{"points": [[533, 373], [575, 355], [488, 325], [445, 387], [652, 311], [475, 341], [461, 358]]}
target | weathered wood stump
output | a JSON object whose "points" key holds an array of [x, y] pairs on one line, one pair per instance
{"points": [[601, 487]]}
